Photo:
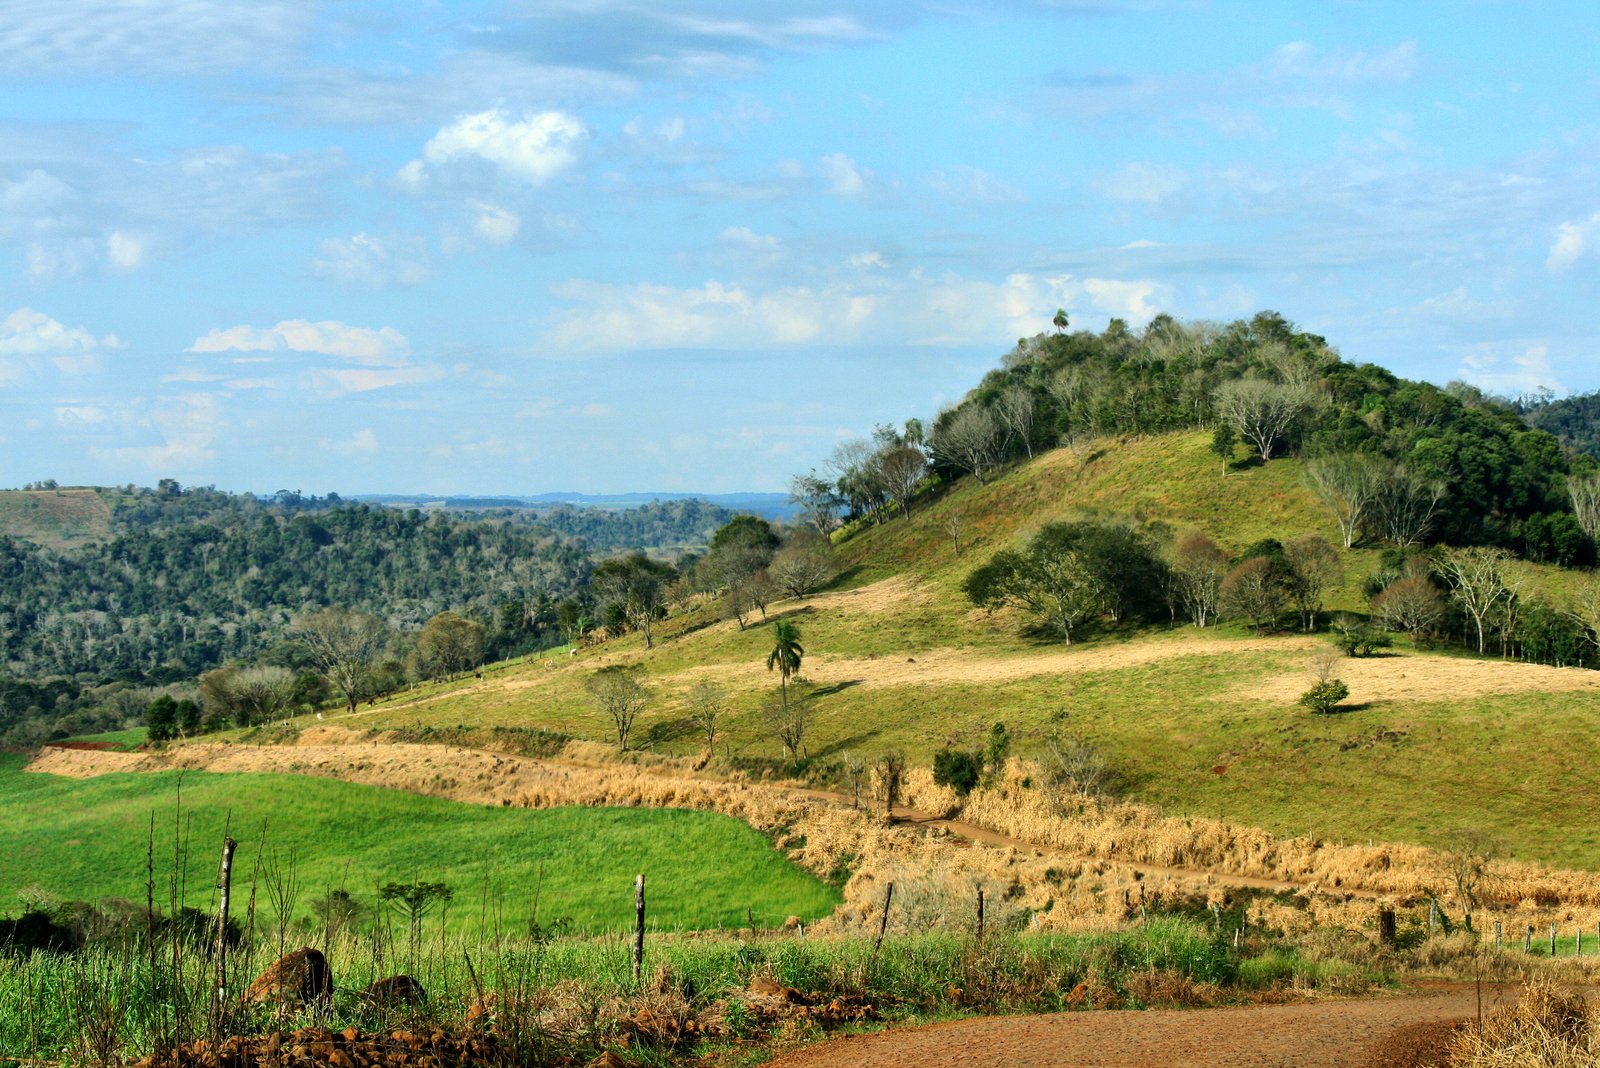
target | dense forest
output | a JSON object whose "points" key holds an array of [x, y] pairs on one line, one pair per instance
{"points": [[192, 579]]}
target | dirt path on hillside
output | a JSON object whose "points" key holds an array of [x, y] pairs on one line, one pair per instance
{"points": [[1327, 1034]]}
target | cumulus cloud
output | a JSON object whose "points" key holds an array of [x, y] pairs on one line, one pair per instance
{"points": [[532, 149], [26, 336], [744, 237], [375, 262], [844, 178], [1572, 241], [381, 346]]}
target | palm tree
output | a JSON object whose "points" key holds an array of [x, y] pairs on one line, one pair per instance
{"points": [[1060, 320], [786, 654]]}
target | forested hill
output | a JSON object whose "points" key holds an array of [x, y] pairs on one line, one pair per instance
{"points": [[182, 580], [1424, 463]]}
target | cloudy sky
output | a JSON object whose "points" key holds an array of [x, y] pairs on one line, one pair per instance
{"points": [[520, 245]]}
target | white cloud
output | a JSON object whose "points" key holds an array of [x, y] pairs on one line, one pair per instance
{"points": [[1527, 372], [362, 442], [748, 238], [947, 310], [337, 381], [110, 37], [534, 149], [596, 411], [26, 332], [970, 185], [76, 415], [1298, 59], [1572, 241], [125, 252], [181, 431], [380, 347], [844, 178], [1144, 183], [495, 224], [374, 263], [864, 260]]}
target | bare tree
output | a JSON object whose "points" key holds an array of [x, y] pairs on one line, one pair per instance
{"points": [[259, 694], [1404, 506], [1585, 494], [706, 702], [1016, 410], [344, 645], [801, 567], [620, 692], [970, 439], [1198, 566], [1347, 483], [903, 468], [788, 720], [1585, 608], [1316, 566], [1411, 604], [1254, 591], [953, 526], [890, 776], [1261, 411], [1477, 578], [819, 502]]}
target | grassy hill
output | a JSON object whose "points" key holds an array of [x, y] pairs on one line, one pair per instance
{"points": [[56, 518], [1194, 722], [704, 870]]}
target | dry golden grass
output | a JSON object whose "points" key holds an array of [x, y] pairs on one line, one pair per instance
{"points": [[1070, 862], [1547, 1028]]}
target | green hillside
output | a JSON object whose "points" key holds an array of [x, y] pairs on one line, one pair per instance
{"points": [[1428, 743]]}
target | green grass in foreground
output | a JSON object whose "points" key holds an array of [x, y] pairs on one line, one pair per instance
{"points": [[86, 839], [131, 738]]}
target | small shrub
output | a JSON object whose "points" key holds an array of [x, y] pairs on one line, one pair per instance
{"points": [[958, 770], [1359, 638], [1324, 696]]}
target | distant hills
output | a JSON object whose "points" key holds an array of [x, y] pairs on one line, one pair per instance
{"points": [[766, 505]]}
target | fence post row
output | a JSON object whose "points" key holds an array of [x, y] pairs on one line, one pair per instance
{"points": [[638, 928]]}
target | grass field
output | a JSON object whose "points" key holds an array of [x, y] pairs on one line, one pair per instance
{"points": [[86, 839], [56, 519], [1426, 745], [131, 738]]}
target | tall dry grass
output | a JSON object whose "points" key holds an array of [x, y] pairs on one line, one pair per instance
{"points": [[1547, 1028]]}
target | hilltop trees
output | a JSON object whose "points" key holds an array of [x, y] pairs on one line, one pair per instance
{"points": [[1261, 411], [1478, 584]]}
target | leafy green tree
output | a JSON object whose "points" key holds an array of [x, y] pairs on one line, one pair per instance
{"points": [[786, 655], [636, 587], [1223, 441], [959, 770], [620, 692], [449, 644], [344, 645], [1324, 696], [161, 719], [1051, 578]]}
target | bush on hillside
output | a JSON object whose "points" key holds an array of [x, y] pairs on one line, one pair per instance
{"points": [[958, 770]]}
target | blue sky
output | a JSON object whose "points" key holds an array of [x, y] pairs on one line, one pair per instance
{"points": [[513, 246]]}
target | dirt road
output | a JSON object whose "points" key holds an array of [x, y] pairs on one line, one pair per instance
{"points": [[1327, 1034]]}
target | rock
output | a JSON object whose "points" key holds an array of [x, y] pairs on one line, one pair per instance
{"points": [[396, 990], [298, 978]]}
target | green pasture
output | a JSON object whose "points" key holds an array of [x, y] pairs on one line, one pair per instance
{"points": [[87, 839]]}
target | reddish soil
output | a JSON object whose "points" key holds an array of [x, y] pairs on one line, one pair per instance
{"points": [[91, 747], [1388, 1032]]}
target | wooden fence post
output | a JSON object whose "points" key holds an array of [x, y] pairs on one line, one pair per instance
{"points": [[1386, 927], [883, 925], [980, 915], [1577, 946], [224, 882], [1552, 941], [638, 928], [1499, 932], [1527, 940]]}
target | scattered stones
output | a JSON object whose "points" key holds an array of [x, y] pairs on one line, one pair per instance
{"points": [[396, 990]]}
